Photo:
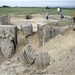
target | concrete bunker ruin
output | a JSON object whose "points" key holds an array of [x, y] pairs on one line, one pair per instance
{"points": [[47, 33], [28, 56], [20, 37]]}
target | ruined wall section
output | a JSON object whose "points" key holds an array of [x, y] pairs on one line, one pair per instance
{"points": [[47, 33]]}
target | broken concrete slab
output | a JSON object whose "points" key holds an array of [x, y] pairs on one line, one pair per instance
{"points": [[7, 48], [43, 60], [47, 33], [27, 56], [10, 30], [5, 20], [21, 39], [27, 28]]}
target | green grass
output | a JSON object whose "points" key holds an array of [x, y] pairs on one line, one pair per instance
{"points": [[35, 10]]}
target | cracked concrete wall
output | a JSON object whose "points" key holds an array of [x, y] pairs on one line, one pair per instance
{"points": [[8, 30], [47, 33], [8, 40]]}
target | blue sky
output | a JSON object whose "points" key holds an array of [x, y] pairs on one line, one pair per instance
{"points": [[38, 3]]}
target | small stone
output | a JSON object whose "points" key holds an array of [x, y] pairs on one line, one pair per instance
{"points": [[26, 70]]}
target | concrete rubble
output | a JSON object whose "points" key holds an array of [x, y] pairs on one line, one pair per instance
{"points": [[8, 29], [7, 48], [5, 20], [8, 37], [27, 28], [43, 60], [47, 33], [27, 56], [21, 39]]}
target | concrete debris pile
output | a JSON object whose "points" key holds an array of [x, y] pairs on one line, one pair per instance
{"points": [[47, 33], [28, 57], [10, 36]]}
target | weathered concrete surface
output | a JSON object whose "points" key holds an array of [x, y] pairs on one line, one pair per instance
{"points": [[5, 20], [27, 56], [7, 48], [47, 33], [43, 60], [10, 30], [21, 39], [8, 40], [40, 34], [27, 28]]}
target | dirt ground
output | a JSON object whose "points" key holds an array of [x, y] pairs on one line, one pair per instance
{"points": [[61, 50]]}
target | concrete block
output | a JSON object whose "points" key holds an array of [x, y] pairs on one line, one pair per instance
{"points": [[10, 30], [5, 20], [27, 28], [7, 48], [43, 60], [39, 63], [21, 39], [27, 56], [40, 34], [47, 33]]}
